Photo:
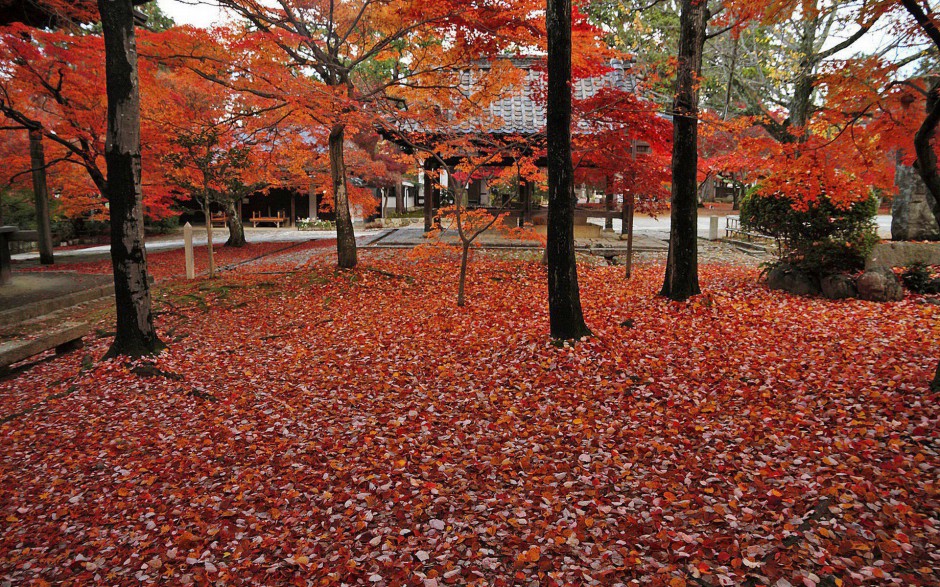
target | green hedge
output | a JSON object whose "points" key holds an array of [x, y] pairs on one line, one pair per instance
{"points": [[822, 239]]}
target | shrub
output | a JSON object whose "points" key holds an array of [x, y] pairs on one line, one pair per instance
{"points": [[406, 214], [315, 224], [62, 230], [18, 208], [822, 239], [916, 278], [165, 225], [91, 227]]}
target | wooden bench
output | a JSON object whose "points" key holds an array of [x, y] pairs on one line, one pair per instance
{"points": [[219, 219], [733, 228], [64, 338], [276, 220]]}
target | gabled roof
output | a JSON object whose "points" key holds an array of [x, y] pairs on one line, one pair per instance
{"points": [[520, 113]]}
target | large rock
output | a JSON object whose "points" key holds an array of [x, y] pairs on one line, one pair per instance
{"points": [[911, 218], [880, 285], [894, 254], [792, 280], [838, 287]]}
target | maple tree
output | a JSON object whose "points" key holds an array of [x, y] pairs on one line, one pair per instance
{"points": [[475, 161], [925, 142], [38, 61], [611, 124], [351, 52], [214, 147], [56, 83]]}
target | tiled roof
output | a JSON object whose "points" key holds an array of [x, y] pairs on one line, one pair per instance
{"points": [[519, 113]]}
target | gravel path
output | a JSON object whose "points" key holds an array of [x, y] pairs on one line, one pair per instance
{"points": [[710, 253]]}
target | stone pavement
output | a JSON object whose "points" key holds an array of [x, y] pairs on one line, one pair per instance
{"points": [[32, 294], [219, 236]]}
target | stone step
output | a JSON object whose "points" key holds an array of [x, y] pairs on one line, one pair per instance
{"points": [[50, 305], [66, 337], [749, 245]]}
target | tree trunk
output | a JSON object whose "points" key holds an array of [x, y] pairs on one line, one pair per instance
{"points": [[681, 280], [630, 205], [801, 100], [564, 298], [462, 281], [135, 335], [734, 61], [399, 199], [209, 248], [525, 197], [345, 236], [41, 195], [236, 230], [926, 156], [429, 164]]}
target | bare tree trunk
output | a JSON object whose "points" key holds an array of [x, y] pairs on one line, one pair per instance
{"points": [[734, 61], [209, 247], [135, 335], [399, 199], [525, 196], [564, 298], [236, 230], [429, 165], [462, 281], [41, 195], [803, 85], [345, 236], [926, 156], [681, 280]]}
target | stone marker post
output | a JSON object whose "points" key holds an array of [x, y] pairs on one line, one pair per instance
{"points": [[188, 247], [713, 228]]}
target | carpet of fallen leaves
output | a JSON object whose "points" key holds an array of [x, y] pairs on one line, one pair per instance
{"points": [[319, 427]]}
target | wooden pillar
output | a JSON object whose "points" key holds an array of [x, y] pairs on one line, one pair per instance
{"points": [[473, 192], [608, 208], [293, 209], [6, 263], [40, 195], [526, 203]]}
